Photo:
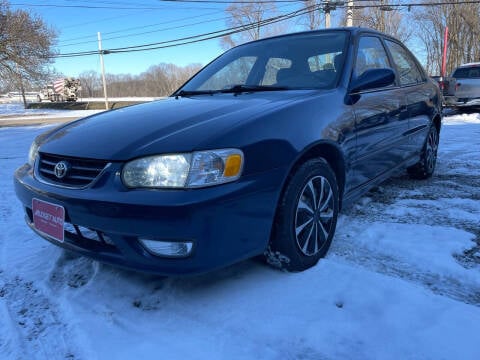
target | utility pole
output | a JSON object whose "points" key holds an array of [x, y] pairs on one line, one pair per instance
{"points": [[350, 13], [382, 21], [326, 9], [101, 52]]}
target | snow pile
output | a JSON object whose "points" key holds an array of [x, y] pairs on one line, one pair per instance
{"points": [[402, 281]]}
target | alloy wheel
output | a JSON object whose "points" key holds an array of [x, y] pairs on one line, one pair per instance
{"points": [[314, 215], [431, 150]]}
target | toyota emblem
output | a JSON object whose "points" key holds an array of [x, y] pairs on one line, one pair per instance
{"points": [[61, 169]]}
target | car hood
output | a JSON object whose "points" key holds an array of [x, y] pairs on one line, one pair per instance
{"points": [[170, 125]]}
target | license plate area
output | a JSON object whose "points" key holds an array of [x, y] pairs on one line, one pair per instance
{"points": [[48, 219]]}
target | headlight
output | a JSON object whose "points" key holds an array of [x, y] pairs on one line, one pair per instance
{"points": [[32, 154], [157, 171], [198, 169]]}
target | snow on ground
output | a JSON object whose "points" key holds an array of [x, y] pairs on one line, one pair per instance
{"points": [[16, 111], [402, 281], [113, 99]]}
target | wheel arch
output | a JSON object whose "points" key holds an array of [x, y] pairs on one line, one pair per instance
{"points": [[332, 155], [437, 122]]}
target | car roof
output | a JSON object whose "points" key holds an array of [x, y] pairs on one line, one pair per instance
{"points": [[352, 30], [470, 64]]}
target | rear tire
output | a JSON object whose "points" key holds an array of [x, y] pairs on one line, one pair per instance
{"points": [[306, 218], [428, 159]]}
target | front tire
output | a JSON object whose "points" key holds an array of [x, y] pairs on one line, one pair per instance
{"points": [[306, 218], [428, 159]]}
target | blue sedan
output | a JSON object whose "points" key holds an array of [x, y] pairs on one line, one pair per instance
{"points": [[255, 155]]}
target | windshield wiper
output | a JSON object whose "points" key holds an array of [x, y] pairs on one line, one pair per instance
{"points": [[253, 88], [195, 92], [236, 89]]}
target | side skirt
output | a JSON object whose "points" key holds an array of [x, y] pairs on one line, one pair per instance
{"points": [[354, 194]]}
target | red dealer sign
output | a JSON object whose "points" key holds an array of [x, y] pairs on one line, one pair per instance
{"points": [[48, 218]]}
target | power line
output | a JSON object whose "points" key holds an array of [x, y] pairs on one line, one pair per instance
{"points": [[407, 5], [149, 7], [251, 26], [89, 6], [233, 30], [227, 2], [142, 27], [196, 38], [97, 21], [149, 32], [62, 44], [107, 2]]}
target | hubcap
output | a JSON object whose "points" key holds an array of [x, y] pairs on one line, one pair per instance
{"points": [[431, 150], [314, 215]]}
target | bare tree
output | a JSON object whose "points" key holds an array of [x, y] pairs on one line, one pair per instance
{"points": [[159, 80], [249, 16], [383, 17], [25, 47], [463, 21], [91, 83], [314, 18]]}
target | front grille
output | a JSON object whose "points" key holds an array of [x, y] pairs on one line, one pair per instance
{"points": [[79, 173], [87, 237]]}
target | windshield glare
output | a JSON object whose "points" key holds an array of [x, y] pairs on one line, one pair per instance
{"points": [[310, 61]]}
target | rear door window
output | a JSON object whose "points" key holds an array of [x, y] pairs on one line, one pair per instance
{"points": [[406, 66]]}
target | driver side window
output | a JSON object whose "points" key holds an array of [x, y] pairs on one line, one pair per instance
{"points": [[370, 55]]}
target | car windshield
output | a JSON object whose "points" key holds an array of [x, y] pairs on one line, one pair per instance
{"points": [[307, 61], [470, 72]]}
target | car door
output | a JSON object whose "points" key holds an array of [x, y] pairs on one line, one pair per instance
{"points": [[421, 95], [381, 119]]}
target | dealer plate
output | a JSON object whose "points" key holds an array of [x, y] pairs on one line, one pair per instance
{"points": [[48, 218]]}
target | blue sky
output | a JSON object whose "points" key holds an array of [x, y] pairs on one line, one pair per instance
{"points": [[124, 23]]}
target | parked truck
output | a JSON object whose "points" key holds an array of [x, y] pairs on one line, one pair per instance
{"points": [[463, 90], [65, 89]]}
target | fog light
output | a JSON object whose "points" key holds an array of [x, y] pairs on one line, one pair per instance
{"points": [[167, 248]]}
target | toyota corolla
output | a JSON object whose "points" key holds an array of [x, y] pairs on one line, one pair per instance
{"points": [[254, 155]]}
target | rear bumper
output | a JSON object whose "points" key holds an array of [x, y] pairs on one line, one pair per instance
{"points": [[461, 102], [226, 223]]}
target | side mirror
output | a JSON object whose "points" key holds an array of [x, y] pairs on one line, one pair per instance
{"points": [[373, 78]]}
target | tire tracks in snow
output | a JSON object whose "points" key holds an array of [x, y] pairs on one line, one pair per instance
{"points": [[31, 317], [440, 284], [37, 321], [445, 200]]}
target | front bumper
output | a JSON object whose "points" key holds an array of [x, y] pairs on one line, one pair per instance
{"points": [[226, 223]]}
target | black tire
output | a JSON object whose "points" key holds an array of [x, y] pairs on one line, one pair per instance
{"points": [[39, 99], [306, 218], [428, 159]]}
